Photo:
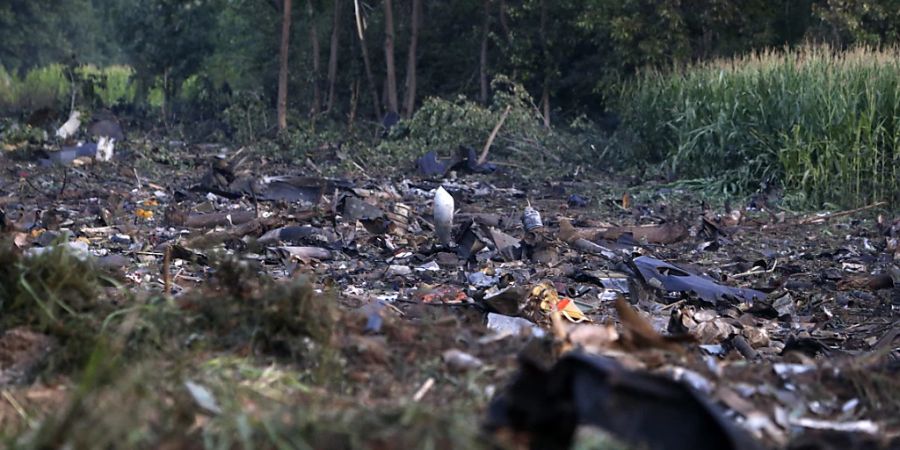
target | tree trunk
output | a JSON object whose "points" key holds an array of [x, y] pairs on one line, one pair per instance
{"points": [[483, 70], [283, 65], [354, 102], [409, 103], [545, 101], [163, 108], [392, 103], [545, 95], [411, 57], [368, 66], [333, 55], [316, 105], [504, 24]]}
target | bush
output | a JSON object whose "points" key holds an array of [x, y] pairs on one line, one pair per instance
{"points": [[247, 116], [50, 87], [8, 94], [444, 125], [45, 87], [114, 86], [822, 122]]}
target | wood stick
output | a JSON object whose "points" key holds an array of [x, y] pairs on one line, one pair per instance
{"points": [[423, 390], [487, 145], [167, 276], [815, 219]]}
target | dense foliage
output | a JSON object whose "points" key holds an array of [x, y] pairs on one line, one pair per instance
{"points": [[579, 51], [216, 62]]}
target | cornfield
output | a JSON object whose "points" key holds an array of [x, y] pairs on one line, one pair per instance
{"points": [[823, 122]]}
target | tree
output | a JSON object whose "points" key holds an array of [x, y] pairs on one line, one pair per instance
{"points": [[545, 50], [391, 78], [283, 64], [360, 30], [483, 55], [411, 57], [39, 32], [333, 54], [167, 40], [316, 104]]}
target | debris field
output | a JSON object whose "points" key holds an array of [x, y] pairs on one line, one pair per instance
{"points": [[188, 292]]}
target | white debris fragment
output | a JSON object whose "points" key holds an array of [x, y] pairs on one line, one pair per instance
{"points": [[857, 426], [443, 215], [203, 397], [71, 126], [460, 360], [105, 148]]}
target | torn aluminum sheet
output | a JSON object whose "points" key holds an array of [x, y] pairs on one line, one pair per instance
{"points": [[661, 274]]}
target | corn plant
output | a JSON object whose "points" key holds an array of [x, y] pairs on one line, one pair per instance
{"points": [[822, 121]]}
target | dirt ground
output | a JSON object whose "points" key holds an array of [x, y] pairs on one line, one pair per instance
{"points": [[191, 296]]}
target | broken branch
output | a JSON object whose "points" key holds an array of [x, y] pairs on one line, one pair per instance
{"points": [[490, 140]]}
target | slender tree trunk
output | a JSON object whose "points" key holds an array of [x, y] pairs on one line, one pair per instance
{"points": [[504, 24], [392, 103], [411, 57], [368, 65], [354, 103], [164, 107], [365, 54], [283, 65], [333, 55], [316, 105], [483, 69], [545, 96], [545, 102]]}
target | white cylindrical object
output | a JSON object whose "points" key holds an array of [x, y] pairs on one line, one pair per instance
{"points": [[443, 215]]}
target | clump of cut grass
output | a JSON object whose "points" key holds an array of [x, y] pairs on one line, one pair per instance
{"points": [[278, 318], [822, 121], [148, 405], [54, 292]]}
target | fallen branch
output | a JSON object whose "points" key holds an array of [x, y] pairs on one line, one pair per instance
{"points": [[167, 276], [426, 386], [817, 219], [490, 140]]}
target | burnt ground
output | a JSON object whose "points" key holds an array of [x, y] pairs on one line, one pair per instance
{"points": [[188, 296]]}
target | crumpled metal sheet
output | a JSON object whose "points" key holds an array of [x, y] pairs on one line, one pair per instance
{"points": [[675, 279]]}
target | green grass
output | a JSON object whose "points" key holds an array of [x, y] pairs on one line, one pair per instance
{"points": [[50, 87], [822, 122]]}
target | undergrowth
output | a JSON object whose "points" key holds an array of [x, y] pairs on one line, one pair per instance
{"points": [[823, 122], [245, 361], [55, 292]]}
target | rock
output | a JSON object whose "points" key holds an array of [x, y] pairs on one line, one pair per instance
{"points": [[107, 128]]}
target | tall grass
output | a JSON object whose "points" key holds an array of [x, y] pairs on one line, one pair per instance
{"points": [[826, 123]]}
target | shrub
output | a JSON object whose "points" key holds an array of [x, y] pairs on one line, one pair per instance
{"points": [[823, 122], [247, 116], [118, 88], [444, 125], [45, 87], [8, 86]]}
